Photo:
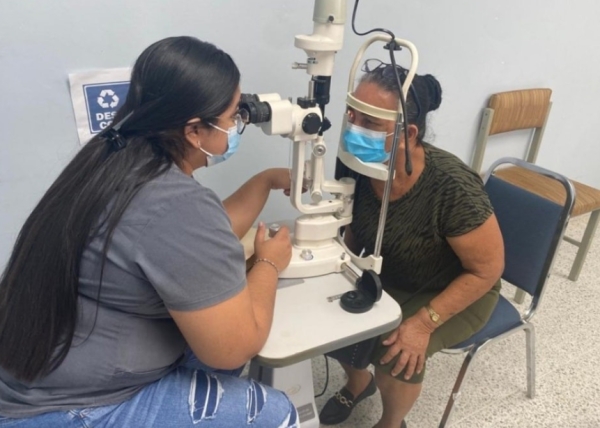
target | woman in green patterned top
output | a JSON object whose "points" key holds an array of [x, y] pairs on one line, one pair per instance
{"points": [[442, 250]]}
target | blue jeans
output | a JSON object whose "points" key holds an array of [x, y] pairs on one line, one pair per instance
{"points": [[192, 395]]}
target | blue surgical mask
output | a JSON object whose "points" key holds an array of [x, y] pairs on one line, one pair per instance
{"points": [[233, 142], [365, 144]]}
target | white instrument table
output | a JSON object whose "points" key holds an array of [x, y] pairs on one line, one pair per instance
{"points": [[308, 322]]}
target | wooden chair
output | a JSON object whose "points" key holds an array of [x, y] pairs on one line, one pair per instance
{"points": [[529, 109]]}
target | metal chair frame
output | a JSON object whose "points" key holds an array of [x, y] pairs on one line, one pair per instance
{"points": [[474, 345]]}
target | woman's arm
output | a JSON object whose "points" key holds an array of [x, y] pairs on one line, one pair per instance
{"points": [[228, 334], [481, 253], [244, 206]]}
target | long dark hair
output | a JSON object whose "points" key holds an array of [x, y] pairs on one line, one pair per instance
{"points": [[173, 81], [426, 88]]}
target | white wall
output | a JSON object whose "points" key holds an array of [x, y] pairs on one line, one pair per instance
{"points": [[474, 47]]}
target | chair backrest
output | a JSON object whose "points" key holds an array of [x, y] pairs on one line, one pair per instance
{"points": [[532, 227], [511, 111]]}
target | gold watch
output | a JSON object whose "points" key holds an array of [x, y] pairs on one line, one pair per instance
{"points": [[433, 315]]}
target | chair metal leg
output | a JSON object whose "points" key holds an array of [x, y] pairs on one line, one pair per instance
{"points": [[519, 296], [584, 246], [457, 385], [530, 344]]}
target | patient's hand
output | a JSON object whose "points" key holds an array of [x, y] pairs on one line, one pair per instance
{"points": [[410, 340]]}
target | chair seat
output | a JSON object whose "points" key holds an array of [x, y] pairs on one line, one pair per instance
{"points": [[504, 318], [587, 199]]}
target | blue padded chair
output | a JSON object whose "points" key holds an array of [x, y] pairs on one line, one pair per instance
{"points": [[532, 228]]}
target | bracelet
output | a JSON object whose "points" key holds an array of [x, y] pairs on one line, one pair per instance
{"points": [[266, 261]]}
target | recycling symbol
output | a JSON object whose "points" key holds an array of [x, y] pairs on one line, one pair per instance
{"points": [[108, 98]]}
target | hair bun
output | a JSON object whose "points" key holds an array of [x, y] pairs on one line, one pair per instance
{"points": [[434, 92]]}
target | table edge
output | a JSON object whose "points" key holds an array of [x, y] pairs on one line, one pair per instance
{"points": [[320, 350]]}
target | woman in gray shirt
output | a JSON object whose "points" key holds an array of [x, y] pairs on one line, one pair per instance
{"points": [[128, 269]]}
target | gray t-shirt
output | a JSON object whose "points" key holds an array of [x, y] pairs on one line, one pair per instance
{"points": [[173, 249]]}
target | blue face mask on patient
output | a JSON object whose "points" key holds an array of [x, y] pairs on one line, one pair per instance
{"points": [[365, 144]]}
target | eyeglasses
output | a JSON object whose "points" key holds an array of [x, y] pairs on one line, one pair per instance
{"points": [[374, 64], [244, 116], [240, 123]]}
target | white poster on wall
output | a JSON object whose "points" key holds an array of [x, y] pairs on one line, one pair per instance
{"points": [[96, 97]]}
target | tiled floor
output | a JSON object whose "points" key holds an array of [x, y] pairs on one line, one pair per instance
{"points": [[567, 364]]}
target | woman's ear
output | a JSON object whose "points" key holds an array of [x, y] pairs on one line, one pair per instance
{"points": [[193, 133], [413, 131]]}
